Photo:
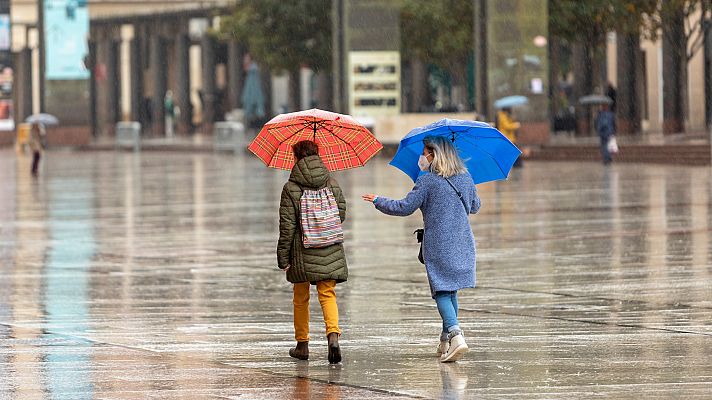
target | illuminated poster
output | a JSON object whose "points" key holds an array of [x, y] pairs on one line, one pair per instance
{"points": [[4, 32], [7, 122], [66, 32], [374, 83]]}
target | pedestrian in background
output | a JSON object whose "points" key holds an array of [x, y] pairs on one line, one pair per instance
{"points": [[323, 267], [36, 144], [170, 111], [508, 126], [446, 196], [605, 125]]}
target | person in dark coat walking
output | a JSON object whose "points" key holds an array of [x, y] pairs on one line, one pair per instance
{"points": [[605, 125], [446, 196], [323, 266]]}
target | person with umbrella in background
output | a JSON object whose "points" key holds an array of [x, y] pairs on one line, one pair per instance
{"points": [[445, 193], [508, 126], [312, 207], [605, 125], [504, 120], [38, 136], [36, 144]]}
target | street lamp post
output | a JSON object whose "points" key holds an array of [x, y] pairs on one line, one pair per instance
{"points": [[42, 53]]}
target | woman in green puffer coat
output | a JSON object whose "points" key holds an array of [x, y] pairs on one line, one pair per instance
{"points": [[324, 266]]}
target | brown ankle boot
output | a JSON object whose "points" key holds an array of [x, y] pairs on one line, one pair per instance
{"points": [[334, 350], [301, 352]]}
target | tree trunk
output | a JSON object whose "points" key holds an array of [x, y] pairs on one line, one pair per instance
{"points": [[482, 104], [628, 104], [674, 60], [266, 77], [583, 85], [324, 90], [293, 94], [554, 72]]}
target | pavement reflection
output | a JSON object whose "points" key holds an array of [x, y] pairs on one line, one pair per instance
{"points": [[153, 275]]}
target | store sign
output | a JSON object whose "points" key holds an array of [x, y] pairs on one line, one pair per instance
{"points": [[66, 33], [374, 83]]}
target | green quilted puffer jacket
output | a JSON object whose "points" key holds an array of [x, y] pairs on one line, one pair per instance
{"points": [[308, 264]]}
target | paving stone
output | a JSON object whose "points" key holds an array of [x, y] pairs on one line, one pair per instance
{"points": [[153, 275]]}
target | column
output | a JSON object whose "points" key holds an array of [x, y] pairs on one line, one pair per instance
{"points": [[266, 77], [23, 85], [136, 67], [208, 92], [112, 103], [182, 93], [708, 75], [159, 74], [234, 74], [93, 97], [481, 81]]}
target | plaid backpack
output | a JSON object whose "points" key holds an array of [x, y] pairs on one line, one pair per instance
{"points": [[321, 224]]}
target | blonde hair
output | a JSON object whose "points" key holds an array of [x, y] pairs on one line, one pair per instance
{"points": [[446, 161]]}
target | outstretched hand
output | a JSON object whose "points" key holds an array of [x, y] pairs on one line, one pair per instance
{"points": [[369, 197]]}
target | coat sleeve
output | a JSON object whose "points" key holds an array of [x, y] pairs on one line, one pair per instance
{"points": [[476, 203], [401, 208], [507, 124], [287, 229], [340, 200]]}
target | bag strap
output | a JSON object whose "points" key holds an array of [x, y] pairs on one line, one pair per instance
{"points": [[459, 195]]}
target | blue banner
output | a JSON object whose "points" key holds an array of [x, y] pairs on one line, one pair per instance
{"points": [[66, 31]]}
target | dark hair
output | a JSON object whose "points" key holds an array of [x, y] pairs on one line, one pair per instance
{"points": [[305, 148]]}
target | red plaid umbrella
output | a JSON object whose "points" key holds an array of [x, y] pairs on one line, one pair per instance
{"points": [[343, 142]]}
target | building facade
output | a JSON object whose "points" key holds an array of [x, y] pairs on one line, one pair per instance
{"points": [[137, 51], [697, 103]]}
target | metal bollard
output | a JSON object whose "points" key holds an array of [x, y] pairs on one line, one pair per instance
{"points": [[128, 134]]}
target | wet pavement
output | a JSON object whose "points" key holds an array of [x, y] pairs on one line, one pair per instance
{"points": [[153, 276]]}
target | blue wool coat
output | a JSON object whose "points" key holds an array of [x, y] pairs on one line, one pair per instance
{"points": [[448, 243]]}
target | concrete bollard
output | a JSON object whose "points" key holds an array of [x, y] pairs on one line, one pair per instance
{"points": [[128, 134], [229, 136]]}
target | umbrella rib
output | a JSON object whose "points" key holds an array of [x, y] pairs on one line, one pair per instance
{"points": [[275, 153], [346, 143], [287, 126]]}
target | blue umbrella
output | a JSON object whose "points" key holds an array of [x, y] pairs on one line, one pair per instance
{"points": [[487, 153], [511, 101]]}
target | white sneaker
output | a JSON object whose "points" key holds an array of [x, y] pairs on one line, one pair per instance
{"points": [[442, 347], [457, 348]]}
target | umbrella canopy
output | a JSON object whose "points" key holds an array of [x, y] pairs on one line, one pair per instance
{"points": [[487, 153], [595, 99], [45, 119], [511, 101], [343, 142]]}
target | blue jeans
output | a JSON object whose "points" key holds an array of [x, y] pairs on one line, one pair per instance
{"points": [[447, 307]]}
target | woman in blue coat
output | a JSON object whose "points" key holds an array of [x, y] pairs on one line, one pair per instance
{"points": [[446, 197]]}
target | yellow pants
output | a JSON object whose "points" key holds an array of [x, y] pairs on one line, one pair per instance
{"points": [[327, 299]]}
